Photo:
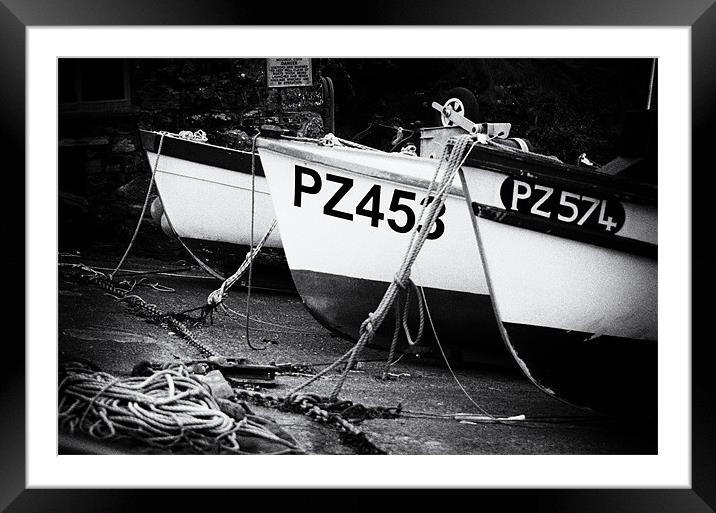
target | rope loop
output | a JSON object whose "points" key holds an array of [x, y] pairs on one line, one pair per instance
{"points": [[421, 315]]}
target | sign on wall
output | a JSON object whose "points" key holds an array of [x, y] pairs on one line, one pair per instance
{"points": [[289, 72]]}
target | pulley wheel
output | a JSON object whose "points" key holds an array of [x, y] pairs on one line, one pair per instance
{"points": [[462, 101]]}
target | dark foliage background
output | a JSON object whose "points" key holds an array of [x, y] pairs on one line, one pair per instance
{"points": [[564, 107]]}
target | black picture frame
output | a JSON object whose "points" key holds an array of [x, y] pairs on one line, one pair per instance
{"points": [[17, 15]]}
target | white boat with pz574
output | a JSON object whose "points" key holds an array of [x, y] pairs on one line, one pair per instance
{"points": [[548, 262], [570, 258]]}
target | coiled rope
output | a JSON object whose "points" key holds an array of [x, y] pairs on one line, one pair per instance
{"points": [[453, 156], [199, 135], [171, 409]]}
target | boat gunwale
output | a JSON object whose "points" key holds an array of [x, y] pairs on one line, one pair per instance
{"points": [[359, 169], [158, 134], [220, 157], [587, 181], [562, 174], [491, 212]]}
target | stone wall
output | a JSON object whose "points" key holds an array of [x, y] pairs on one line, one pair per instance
{"points": [[103, 173], [227, 98]]}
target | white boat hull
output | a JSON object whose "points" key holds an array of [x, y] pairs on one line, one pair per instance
{"points": [[577, 306], [570, 291], [342, 261], [208, 200]]}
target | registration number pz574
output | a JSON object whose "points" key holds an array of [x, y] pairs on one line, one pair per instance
{"points": [[556, 204]]}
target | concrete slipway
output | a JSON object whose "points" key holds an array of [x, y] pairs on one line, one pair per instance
{"points": [[95, 327]]}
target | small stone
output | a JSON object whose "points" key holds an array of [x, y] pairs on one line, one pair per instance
{"points": [[218, 386]]}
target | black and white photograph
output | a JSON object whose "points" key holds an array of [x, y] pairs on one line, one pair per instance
{"points": [[421, 253], [291, 255]]}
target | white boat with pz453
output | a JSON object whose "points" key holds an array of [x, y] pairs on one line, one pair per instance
{"points": [[555, 263], [346, 215]]}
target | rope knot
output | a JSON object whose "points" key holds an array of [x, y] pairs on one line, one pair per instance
{"points": [[199, 135], [216, 297], [402, 283], [367, 325]]}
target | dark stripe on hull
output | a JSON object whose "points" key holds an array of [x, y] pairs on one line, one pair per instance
{"points": [[551, 172], [622, 244], [606, 374], [463, 322], [224, 158]]}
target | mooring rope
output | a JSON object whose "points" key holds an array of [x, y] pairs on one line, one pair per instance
{"points": [[453, 156], [218, 295], [251, 260], [331, 140], [401, 321], [144, 208], [204, 266], [170, 409], [442, 352], [233, 314], [199, 136]]}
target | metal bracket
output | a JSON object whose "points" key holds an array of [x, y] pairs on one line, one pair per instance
{"points": [[500, 130]]}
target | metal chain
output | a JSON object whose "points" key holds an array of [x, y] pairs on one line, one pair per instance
{"points": [[315, 407], [104, 282]]}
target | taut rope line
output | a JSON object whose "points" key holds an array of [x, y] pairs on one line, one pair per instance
{"points": [[251, 260], [217, 296], [454, 154], [144, 208]]}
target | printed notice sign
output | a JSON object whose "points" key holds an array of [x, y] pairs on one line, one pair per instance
{"points": [[289, 72]]}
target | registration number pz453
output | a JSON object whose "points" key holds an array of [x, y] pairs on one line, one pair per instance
{"points": [[400, 214], [563, 206]]}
